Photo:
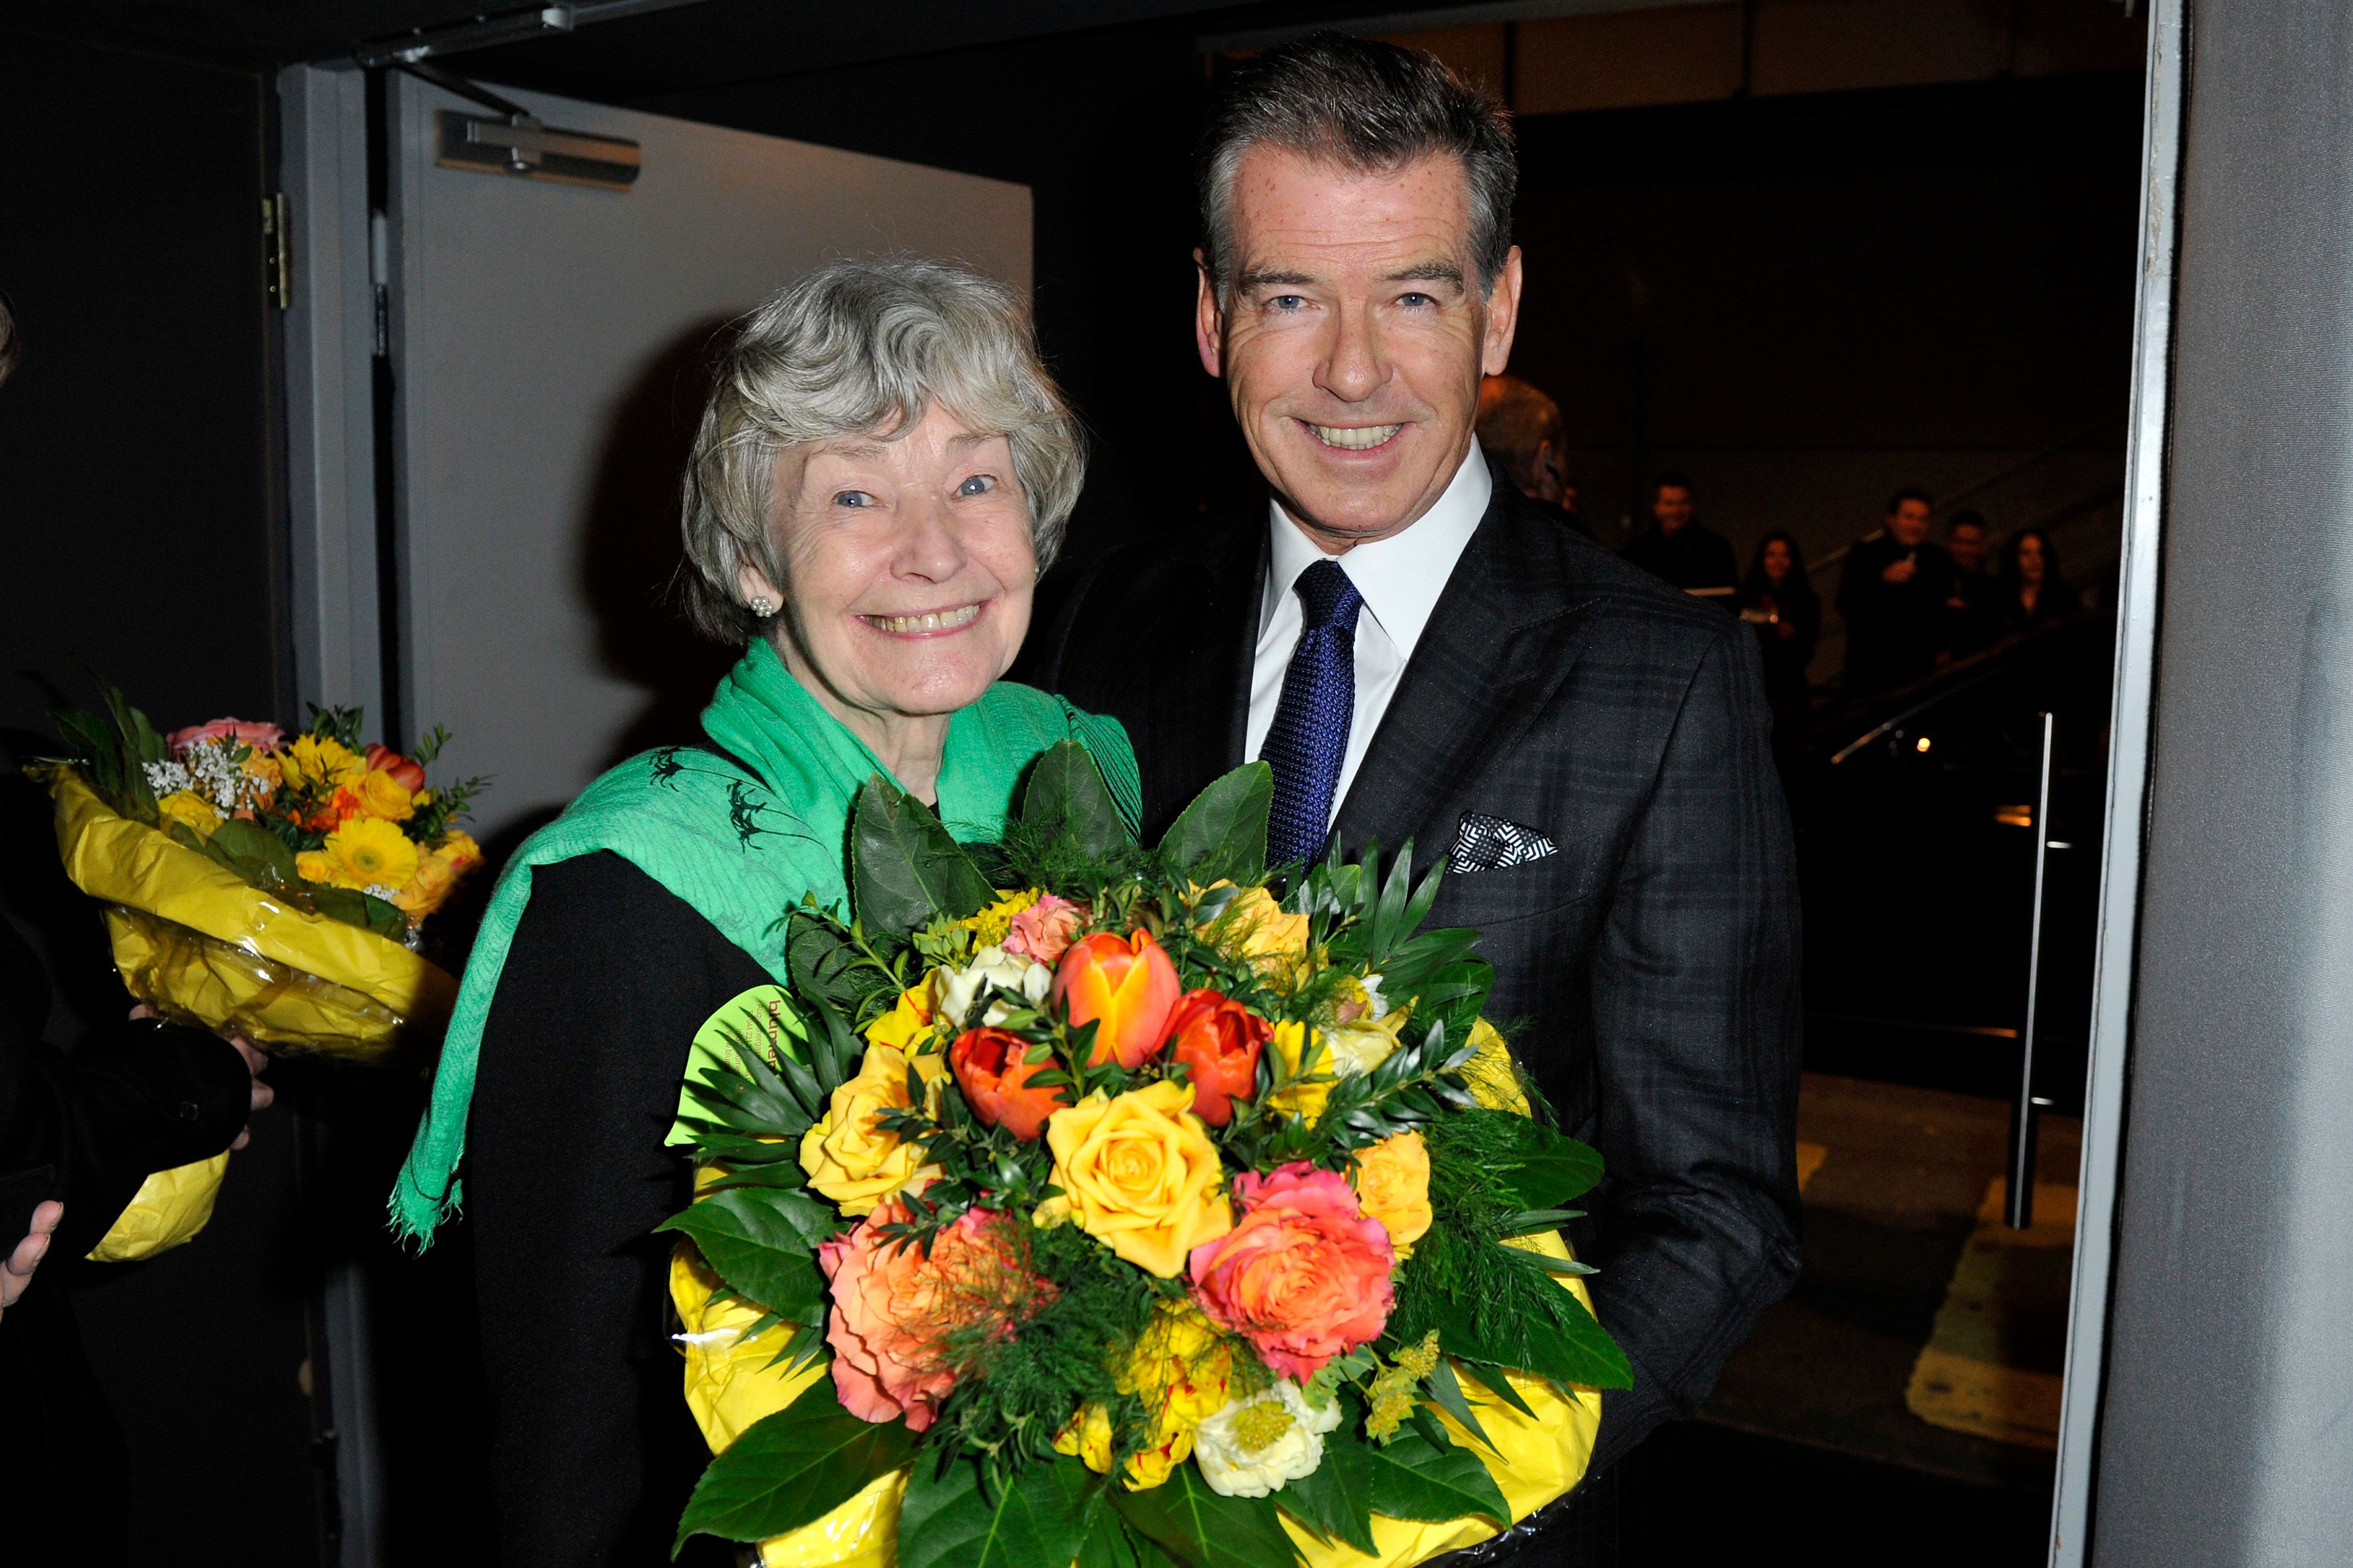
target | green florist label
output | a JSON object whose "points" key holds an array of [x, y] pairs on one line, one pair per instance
{"points": [[762, 1017]]}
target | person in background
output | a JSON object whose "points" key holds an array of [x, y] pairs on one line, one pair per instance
{"points": [[1520, 427], [1969, 608], [1893, 595], [1679, 547], [1776, 600], [2032, 593]]}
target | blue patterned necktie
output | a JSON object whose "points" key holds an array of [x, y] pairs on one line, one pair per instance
{"points": [[1309, 737]]}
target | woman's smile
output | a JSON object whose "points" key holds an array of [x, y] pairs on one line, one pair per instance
{"points": [[927, 623]]}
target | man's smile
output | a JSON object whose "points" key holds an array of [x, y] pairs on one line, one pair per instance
{"points": [[1354, 437]]}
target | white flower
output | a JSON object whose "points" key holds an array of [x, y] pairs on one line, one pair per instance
{"points": [[1252, 1446], [954, 990]]}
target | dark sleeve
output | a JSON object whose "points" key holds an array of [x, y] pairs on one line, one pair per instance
{"points": [[1854, 584], [1696, 1038], [610, 975]]}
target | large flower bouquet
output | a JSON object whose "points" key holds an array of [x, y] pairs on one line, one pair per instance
{"points": [[262, 882], [1138, 1216]]}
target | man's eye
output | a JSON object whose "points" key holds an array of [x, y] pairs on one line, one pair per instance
{"points": [[853, 497], [1287, 303], [978, 485], [1415, 302]]}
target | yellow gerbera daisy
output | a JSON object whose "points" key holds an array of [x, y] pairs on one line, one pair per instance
{"points": [[366, 853]]}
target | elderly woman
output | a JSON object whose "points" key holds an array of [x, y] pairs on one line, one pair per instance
{"points": [[882, 473]]}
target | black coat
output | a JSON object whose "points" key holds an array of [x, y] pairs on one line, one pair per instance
{"points": [[1653, 959], [1894, 630], [85, 1127]]}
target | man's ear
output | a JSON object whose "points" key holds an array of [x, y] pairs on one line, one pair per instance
{"points": [[1208, 320], [1502, 316]]}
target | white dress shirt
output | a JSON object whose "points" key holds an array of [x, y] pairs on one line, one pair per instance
{"points": [[1400, 579]]}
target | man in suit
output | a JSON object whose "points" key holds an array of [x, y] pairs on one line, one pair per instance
{"points": [[1520, 429], [1421, 655]]}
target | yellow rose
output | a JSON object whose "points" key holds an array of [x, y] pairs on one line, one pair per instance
{"points": [[1138, 1174], [1252, 925], [908, 1022], [318, 763], [362, 853], [427, 890], [851, 1160], [1393, 1187], [193, 810], [380, 796], [1292, 1048], [457, 846]]}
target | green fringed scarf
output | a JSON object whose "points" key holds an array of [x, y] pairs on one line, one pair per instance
{"points": [[742, 845]]}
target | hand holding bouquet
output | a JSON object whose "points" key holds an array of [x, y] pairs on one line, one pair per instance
{"points": [[263, 883], [1134, 1214]]}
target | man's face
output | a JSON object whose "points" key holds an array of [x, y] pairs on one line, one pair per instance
{"points": [[1671, 506], [1967, 547], [1908, 523], [1354, 336]]}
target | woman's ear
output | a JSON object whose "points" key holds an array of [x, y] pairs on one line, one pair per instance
{"points": [[754, 589]]}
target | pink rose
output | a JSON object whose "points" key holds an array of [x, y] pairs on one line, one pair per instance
{"points": [[1044, 932], [892, 1306], [1305, 1275], [260, 736]]}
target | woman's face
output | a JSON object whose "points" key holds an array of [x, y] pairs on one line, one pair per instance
{"points": [[2030, 560], [908, 564], [1777, 559]]}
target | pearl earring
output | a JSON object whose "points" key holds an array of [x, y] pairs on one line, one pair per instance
{"points": [[764, 607]]}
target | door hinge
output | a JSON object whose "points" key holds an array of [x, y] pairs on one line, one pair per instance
{"points": [[278, 250]]}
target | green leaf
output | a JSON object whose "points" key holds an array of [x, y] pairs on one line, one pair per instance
{"points": [[1413, 1478], [1335, 1500], [1113, 1543], [1042, 1515], [1539, 1328], [1446, 1393], [1547, 1168], [758, 1239], [907, 869], [1221, 836], [1198, 1527], [256, 845], [822, 963], [790, 1469], [1528, 1220], [1066, 796], [1493, 1380]]}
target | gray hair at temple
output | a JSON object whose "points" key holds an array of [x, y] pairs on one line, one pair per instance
{"points": [[1368, 107], [859, 348]]}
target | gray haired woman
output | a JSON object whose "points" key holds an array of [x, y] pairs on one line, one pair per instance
{"points": [[880, 475]]}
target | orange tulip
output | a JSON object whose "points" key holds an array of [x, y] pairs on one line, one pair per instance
{"points": [[1126, 986], [990, 1067], [405, 772], [1218, 1040]]}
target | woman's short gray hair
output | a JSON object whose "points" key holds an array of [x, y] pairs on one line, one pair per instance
{"points": [[857, 348]]}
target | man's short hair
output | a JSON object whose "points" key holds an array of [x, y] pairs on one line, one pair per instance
{"points": [[1895, 502], [1370, 108], [1670, 481], [1515, 419], [1966, 519]]}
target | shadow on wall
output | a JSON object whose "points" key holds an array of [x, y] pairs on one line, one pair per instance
{"points": [[631, 558]]}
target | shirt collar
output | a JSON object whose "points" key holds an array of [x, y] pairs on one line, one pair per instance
{"points": [[1399, 577]]}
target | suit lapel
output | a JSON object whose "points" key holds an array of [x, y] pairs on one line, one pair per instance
{"points": [[1505, 633], [1200, 699]]}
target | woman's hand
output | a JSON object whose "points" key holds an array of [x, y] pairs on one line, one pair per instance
{"points": [[16, 1269]]}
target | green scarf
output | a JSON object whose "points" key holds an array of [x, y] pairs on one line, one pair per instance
{"points": [[742, 845]]}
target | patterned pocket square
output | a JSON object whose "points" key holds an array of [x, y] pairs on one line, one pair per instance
{"points": [[1490, 844]]}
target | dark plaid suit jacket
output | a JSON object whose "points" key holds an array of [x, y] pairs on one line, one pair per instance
{"points": [[1647, 970]]}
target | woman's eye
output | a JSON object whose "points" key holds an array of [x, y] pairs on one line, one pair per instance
{"points": [[978, 485], [853, 497]]}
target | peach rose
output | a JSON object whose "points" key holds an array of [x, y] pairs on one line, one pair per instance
{"points": [[848, 1157], [1304, 1276], [1138, 1174], [1393, 1187], [892, 1306], [1044, 932]]}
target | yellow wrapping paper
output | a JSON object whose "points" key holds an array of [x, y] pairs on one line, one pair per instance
{"points": [[199, 944], [729, 1385], [169, 1208]]}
